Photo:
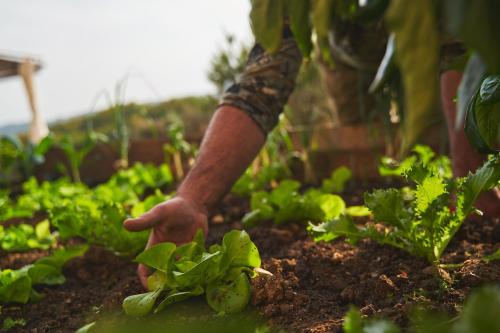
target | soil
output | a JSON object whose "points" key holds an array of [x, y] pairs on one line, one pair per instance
{"points": [[312, 287]]}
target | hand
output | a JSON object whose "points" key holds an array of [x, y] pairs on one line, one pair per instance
{"points": [[176, 220]]}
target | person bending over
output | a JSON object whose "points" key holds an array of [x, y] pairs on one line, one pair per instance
{"points": [[248, 110]]}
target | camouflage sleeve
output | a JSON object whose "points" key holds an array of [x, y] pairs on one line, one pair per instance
{"points": [[266, 83]]}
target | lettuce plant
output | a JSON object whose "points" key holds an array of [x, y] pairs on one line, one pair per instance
{"points": [[420, 154], [285, 204], [98, 222], [16, 286], [337, 181], [421, 220], [25, 237], [221, 273]]}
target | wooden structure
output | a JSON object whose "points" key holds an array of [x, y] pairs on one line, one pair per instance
{"points": [[26, 68]]}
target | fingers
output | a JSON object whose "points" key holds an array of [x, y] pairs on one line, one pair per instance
{"points": [[143, 273], [146, 220]]}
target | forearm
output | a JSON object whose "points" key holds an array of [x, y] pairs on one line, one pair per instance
{"points": [[230, 144]]}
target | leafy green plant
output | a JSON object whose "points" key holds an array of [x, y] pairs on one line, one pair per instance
{"points": [[482, 124], [285, 204], [135, 181], [493, 256], [176, 147], [96, 215], [16, 286], [420, 154], [16, 155], [10, 322], [76, 155], [221, 273], [337, 181], [24, 237], [421, 220], [98, 222], [39, 197]]}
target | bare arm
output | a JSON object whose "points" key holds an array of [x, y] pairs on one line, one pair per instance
{"points": [[249, 109], [230, 144]]}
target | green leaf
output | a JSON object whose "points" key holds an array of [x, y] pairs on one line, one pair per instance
{"points": [[267, 17], [429, 190], [44, 146], [322, 17], [231, 295], [474, 73], [9, 323], [353, 322], [483, 179], [61, 256], [337, 181], [285, 191], [196, 274], [251, 219], [481, 312], [493, 256], [490, 89], [298, 11], [482, 124], [199, 238], [141, 304], [17, 290], [157, 257], [416, 37], [342, 226], [239, 250], [358, 211], [157, 280], [477, 25], [388, 206], [261, 209], [42, 230], [143, 206], [46, 274], [178, 296], [331, 205]]}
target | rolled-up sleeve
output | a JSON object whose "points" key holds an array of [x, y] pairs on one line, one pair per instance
{"points": [[266, 83]]}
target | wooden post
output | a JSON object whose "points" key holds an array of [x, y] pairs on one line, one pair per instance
{"points": [[38, 128]]}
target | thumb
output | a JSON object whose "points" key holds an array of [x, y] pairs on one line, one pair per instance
{"points": [[146, 221]]}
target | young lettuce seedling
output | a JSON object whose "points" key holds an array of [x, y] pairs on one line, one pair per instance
{"points": [[24, 237], [421, 220], [221, 273], [285, 204], [16, 286]]}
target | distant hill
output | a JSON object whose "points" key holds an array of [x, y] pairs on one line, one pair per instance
{"points": [[143, 120], [14, 129]]}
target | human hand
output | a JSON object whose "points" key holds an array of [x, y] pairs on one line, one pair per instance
{"points": [[176, 220]]}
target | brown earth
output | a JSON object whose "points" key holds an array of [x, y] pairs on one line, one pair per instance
{"points": [[312, 287]]}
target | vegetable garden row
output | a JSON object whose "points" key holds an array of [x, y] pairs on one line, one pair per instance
{"points": [[313, 259]]}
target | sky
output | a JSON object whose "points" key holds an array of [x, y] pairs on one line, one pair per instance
{"points": [[87, 46]]}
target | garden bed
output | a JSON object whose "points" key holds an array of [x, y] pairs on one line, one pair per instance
{"points": [[312, 287]]}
